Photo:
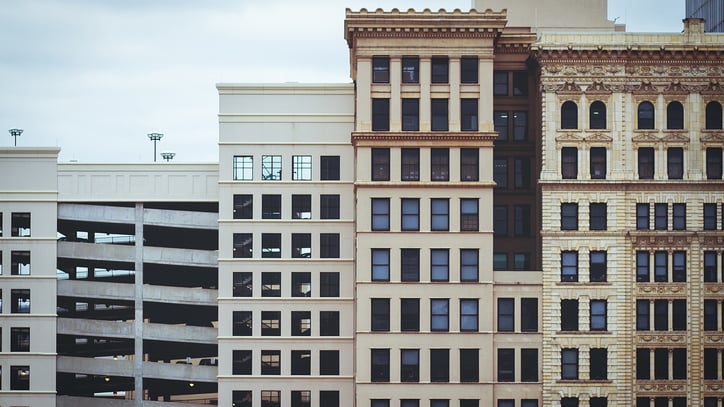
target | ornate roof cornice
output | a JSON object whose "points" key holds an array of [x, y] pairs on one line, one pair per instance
{"points": [[423, 137]]}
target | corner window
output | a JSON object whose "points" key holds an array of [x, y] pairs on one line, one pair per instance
{"points": [[271, 167], [469, 164], [646, 116], [329, 168], [380, 264], [646, 162], [243, 206], [675, 162], [569, 162], [469, 70], [469, 114], [713, 116], [243, 167], [597, 115], [468, 214], [410, 170], [380, 164], [569, 115], [439, 264], [439, 67], [302, 168], [598, 162], [410, 114], [675, 116], [380, 114], [410, 70], [439, 114], [381, 70]]}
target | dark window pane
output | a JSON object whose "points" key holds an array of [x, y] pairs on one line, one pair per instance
{"points": [[646, 115], [380, 114], [381, 69], [569, 115], [439, 115], [675, 115], [646, 163], [469, 70], [439, 67], [410, 70], [598, 115]]}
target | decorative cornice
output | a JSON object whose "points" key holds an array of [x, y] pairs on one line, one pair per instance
{"points": [[661, 339], [646, 239], [403, 137], [659, 290]]}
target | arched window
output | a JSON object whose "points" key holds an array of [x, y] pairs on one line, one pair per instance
{"points": [[598, 115], [646, 115], [675, 116], [569, 115], [713, 115]]}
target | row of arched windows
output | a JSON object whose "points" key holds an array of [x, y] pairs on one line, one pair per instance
{"points": [[646, 115]]}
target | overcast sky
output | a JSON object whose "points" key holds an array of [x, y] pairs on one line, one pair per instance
{"points": [[94, 77]]}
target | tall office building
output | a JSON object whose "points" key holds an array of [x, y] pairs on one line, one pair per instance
{"points": [[712, 11], [509, 208]]}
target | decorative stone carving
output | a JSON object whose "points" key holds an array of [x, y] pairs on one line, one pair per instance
{"points": [[711, 137], [645, 137], [569, 136], [675, 137]]}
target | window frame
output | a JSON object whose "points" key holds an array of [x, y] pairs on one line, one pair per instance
{"points": [[380, 69], [243, 168], [410, 111], [468, 114], [410, 214], [380, 158], [301, 168], [271, 167]]}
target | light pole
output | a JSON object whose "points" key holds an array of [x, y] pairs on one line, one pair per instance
{"points": [[168, 156], [155, 137], [15, 133]]}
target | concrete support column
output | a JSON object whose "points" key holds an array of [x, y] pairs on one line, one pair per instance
{"points": [[138, 308]]}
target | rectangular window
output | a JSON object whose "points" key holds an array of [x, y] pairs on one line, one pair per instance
{"points": [[569, 364], [709, 216], [439, 68], [329, 362], [500, 125], [642, 216], [714, 163], [598, 216], [520, 83], [410, 170], [271, 245], [598, 163], [271, 167], [469, 370], [329, 168], [19, 339], [646, 163], [410, 314], [710, 366], [301, 207], [643, 365], [19, 262], [711, 315], [439, 214], [271, 323], [661, 315], [469, 167], [521, 261], [500, 220], [241, 398], [243, 206], [598, 266], [468, 314], [522, 220], [469, 70], [271, 206], [439, 315], [520, 126], [440, 164], [380, 213], [301, 167], [469, 214], [270, 363], [500, 83], [569, 216], [410, 114], [679, 212], [380, 164], [301, 323], [300, 398], [409, 365], [271, 398], [675, 162], [439, 264], [301, 245], [329, 245], [20, 301], [301, 284], [529, 365], [569, 163], [661, 216], [243, 168], [241, 362], [242, 284], [380, 264], [380, 114], [661, 364], [710, 267], [679, 266], [410, 264], [329, 284], [500, 173], [410, 70], [469, 264], [381, 70], [328, 323], [679, 362], [506, 314], [380, 314], [329, 206], [569, 315], [661, 267], [598, 364], [598, 315], [20, 224], [642, 267], [529, 314], [438, 114], [679, 319], [380, 365], [410, 214], [301, 362], [506, 365], [569, 266], [242, 323], [469, 114], [500, 261], [379, 403], [643, 318], [439, 366], [522, 173]]}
